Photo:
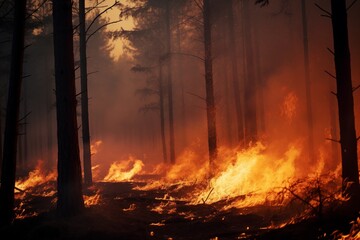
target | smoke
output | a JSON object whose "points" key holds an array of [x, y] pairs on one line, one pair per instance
{"points": [[116, 119]]}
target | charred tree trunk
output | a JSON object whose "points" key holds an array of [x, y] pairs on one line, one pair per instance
{"points": [[235, 74], [250, 114], [162, 112], [70, 201], [348, 141], [210, 99], [84, 98], [12, 116], [309, 114], [169, 78]]}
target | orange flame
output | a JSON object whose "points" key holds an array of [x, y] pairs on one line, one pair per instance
{"points": [[252, 172], [124, 170], [36, 177], [92, 200]]}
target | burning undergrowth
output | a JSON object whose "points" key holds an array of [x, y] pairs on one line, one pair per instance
{"points": [[251, 188]]}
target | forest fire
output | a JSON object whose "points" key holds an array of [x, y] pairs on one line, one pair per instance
{"points": [[38, 177], [123, 170], [179, 119], [252, 173]]}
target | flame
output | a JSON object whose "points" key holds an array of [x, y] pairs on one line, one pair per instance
{"points": [[131, 208], [124, 170], [92, 200], [36, 177], [252, 173]]}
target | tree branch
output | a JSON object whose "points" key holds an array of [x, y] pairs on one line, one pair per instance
{"points": [[325, 11], [330, 74], [356, 88], [189, 54], [351, 4], [23, 118], [198, 5], [97, 5], [99, 15], [300, 198], [36, 9], [331, 51], [333, 140], [195, 95], [99, 28]]}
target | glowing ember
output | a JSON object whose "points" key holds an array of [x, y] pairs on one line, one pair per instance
{"points": [[124, 170], [132, 207], [92, 200]]}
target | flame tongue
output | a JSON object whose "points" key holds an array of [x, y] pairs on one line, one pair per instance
{"points": [[36, 177], [253, 173], [123, 170]]}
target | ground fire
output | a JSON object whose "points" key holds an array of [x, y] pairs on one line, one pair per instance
{"points": [[179, 119]]}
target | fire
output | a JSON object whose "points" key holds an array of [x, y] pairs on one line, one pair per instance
{"points": [[92, 200], [248, 175], [251, 173], [124, 170], [36, 177]]}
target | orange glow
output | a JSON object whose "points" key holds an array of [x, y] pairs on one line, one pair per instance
{"points": [[252, 173], [94, 148], [92, 200], [124, 170], [36, 177], [289, 106]]}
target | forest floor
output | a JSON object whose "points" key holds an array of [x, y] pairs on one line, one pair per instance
{"points": [[125, 213]]}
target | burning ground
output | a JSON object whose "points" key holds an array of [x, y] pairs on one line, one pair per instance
{"points": [[252, 194]]}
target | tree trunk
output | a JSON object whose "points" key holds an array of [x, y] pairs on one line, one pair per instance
{"points": [[1, 137], [235, 74], [70, 200], [84, 98], [348, 141], [307, 84], [250, 81], [12, 116], [169, 78], [182, 85], [210, 99], [162, 112]]}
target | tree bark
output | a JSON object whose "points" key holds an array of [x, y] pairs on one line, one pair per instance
{"points": [[169, 78], [12, 116], [84, 98], [348, 141], [210, 99], [70, 201], [235, 74], [162, 112], [309, 114]]}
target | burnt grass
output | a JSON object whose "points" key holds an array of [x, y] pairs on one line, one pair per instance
{"points": [[124, 213]]}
